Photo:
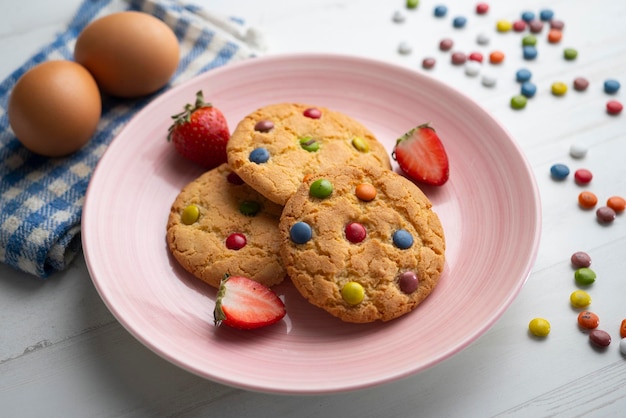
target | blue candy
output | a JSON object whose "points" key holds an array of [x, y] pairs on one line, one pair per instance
{"points": [[611, 86], [259, 155], [530, 52], [459, 22], [440, 11], [528, 16], [546, 15], [523, 75], [559, 171], [300, 232], [528, 89], [402, 239]]}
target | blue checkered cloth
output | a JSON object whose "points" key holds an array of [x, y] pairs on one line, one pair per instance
{"points": [[41, 199]]}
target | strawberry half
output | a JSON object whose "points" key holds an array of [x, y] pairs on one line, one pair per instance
{"points": [[245, 304], [200, 133], [421, 155]]}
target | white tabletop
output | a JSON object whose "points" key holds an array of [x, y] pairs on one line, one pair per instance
{"points": [[62, 353]]}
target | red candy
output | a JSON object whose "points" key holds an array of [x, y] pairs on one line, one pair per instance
{"points": [[475, 56], [600, 338], [236, 241], [355, 232], [613, 107], [312, 113], [482, 8], [519, 26], [583, 176]]}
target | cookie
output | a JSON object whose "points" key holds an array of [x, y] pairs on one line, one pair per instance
{"points": [[219, 225], [273, 148], [362, 243]]}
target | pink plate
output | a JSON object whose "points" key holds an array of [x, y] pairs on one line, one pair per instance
{"points": [[489, 208]]}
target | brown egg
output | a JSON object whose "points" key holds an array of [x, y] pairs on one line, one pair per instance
{"points": [[54, 108], [130, 54]]}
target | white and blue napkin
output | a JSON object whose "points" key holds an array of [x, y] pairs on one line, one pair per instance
{"points": [[41, 199]]}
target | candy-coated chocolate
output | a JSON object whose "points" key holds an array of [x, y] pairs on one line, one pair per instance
{"points": [[605, 214], [523, 74], [355, 232], [613, 107], [588, 320], [300, 232], [559, 171], [365, 192], [236, 241], [587, 199], [249, 207], [518, 101], [412, 4], [554, 36], [321, 188], [540, 327], [408, 282], [535, 26], [489, 80], [398, 17], [259, 155], [190, 214], [475, 56], [313, 113], [503, 25], [585, 276], [580, 84], [402, 239], [583, 176], [622, 329], [617, 203], [529, 52], [440, 11], [428, 63], [570, 54], [559, 88], [446, 44], [483, 39], [546, 15], [580, 259], [529, 40], [404, 48], [360, 144], [600, 338], [459, 22], [458, 58], [557, 24], [580, 299], [528, 89], [264, 126], [309, 144], [611, 86], [482, 8], [622, 346], [353, 293], [577, 150], [519, 26], [472, 68], [496, 57], [528, 16]]}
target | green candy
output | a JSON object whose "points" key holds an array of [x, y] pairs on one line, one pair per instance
{"points": [[249, 208], [570, 54], [529, 40], [518, 102], [412, 4], [309, 144], [321, 188], [584, 276]]}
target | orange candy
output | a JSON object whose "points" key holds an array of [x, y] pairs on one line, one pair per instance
{"points": [[587, 200], [622, 329], [554, 36], [365, 192], [496, 57], [617, 203], [588, 320]]}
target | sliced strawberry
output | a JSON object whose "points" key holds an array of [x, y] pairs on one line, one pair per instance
{"points": [[245, 304], [421, 155]]}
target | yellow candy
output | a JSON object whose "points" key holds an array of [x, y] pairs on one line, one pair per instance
{"points": [[559, 89], [353, 293], [539, 327], [190, 214], [503, 25], [360, 144], [580, 299]]}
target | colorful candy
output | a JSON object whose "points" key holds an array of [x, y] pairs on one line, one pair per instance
{"points": [[583, 176], [408, 282], [585, 276], [587, 199], [300, 233], [605, 214], [360, 144], [539, 327], [475, 56], [570, 54], [402, 239], [398, 17], [412, 4], [496, 57], [588, 320], [622, 346], [580, 299], [622, 329], [264, 126], [446, 44], [482, 8], [259, 155], [611, 86], [580, 84], [489, 80], [554, 36], [600, 338], [353, 293], [503, 25], [523, 75], [458, 58], [405, 48], [580, 259], [528, 16], [459, 22], [472, 68], [365, 192], [518, 101], [617, 203], [519, 26], [559, 88], [312, 113], [483, 39], [577, 150], [355, 232], [557, 24], [428, 63], [321, 188], [529, 40], [546, 15], [613, 107], [559, 171], [235, 241], [528, 89], [440, 11], [535, 26], [309, 144], [190, 214], [529, 52]]}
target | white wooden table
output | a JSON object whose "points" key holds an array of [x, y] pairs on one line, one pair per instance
{"points": [[62, 353]]}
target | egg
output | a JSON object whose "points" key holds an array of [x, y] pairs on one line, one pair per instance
{"points": [[130, 54], [54, 108]]}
